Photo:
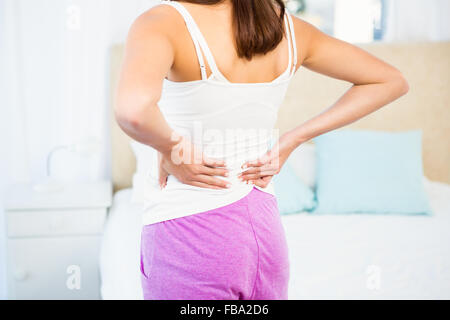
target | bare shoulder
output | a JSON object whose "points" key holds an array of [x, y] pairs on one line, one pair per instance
{"points": [[160, 19], [302, 27], [306, 35]]}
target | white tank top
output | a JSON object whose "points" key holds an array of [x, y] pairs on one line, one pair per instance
{"points": [[231, 121]]}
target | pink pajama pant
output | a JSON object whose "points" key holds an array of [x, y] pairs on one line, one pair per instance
{"points": [[236, 252]]}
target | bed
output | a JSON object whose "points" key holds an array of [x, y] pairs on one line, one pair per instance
{"points": [[357, 256], [353, 256]]}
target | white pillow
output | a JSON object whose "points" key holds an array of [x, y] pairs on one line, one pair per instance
{"points": [[303, 161], [144, 179]]}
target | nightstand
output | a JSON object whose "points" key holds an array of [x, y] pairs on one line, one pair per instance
{"points": [[54, 240]]}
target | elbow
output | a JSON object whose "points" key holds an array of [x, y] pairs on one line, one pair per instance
{"points": [[403, 86], [400, 84], [128, 118], [132, 112]]}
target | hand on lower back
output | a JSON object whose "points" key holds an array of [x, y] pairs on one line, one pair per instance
{"points": [[189, 165], [260, 171]]}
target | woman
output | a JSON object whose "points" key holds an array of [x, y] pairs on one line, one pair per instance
{"points": [[201, 84]]}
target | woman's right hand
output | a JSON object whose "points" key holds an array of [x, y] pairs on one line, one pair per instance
{"points": [[190, 166]]}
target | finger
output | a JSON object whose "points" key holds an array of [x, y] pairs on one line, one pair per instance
{"points": [[212, 181], [162, 174], [258, 162], [266, 167], [214, 172], [250, 170], [252, 163], [267, 171], [163, 178], [162, 183], [262, 182], [213, 163], [256, 175]]}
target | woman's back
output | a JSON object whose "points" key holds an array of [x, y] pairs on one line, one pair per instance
{"points": [[230, 120], [215, 22]]}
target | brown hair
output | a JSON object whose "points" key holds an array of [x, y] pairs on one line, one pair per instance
{"points": [[258, 29]]}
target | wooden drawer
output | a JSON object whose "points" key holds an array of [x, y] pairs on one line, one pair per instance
{"points": [[43, 268], [32, 223]]}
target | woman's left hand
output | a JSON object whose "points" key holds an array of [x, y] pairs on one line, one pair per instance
{"points": [[261, 171]]}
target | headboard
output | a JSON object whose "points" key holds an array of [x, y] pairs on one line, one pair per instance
{"points": [[426, 107]]}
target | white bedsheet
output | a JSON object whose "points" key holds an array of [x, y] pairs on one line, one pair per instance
{"points": [[332, 257]]}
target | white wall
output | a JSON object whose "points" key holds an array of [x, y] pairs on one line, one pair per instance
{"points": [[54, 88], [354, 20], [418, 20]]}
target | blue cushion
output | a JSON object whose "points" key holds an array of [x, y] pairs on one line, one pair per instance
{"points": [[293, 196], [370, 172]]}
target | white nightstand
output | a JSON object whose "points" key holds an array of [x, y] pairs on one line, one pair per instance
{"points": [[54, 240]]}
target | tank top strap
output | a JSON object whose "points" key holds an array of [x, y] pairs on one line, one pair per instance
{"points": [[195, 32], [192, 28], [293, 40], [288, 37]]}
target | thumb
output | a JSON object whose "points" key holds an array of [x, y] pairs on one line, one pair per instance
{"points": [[162, 178], [162, 173]]}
